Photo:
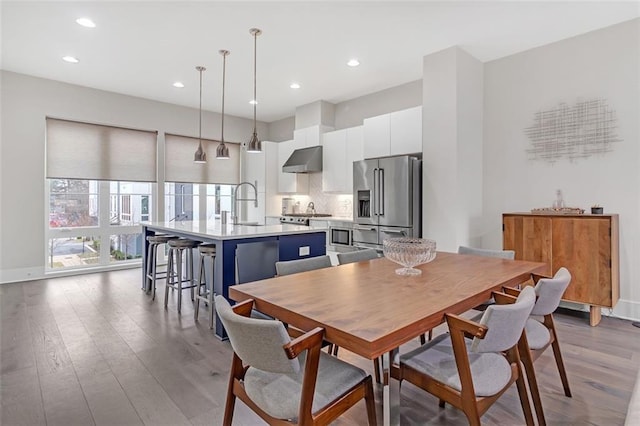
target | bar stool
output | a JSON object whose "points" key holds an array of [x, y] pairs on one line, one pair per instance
{"points": [[207, 251], [153, 274], [174, 268]]}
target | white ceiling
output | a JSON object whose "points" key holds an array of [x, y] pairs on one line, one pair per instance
{"points": [[141, 48]]}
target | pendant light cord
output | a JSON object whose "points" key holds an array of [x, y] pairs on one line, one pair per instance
{"points": [[224, 68], [200, 121], [255, 99]]}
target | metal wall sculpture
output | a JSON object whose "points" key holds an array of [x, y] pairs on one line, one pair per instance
{"points": [[572, 132]]}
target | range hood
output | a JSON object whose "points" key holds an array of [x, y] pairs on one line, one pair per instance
{"points": [[304, 160]]}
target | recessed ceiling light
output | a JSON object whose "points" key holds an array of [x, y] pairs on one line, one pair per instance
{"points": [[70, 59], [178, 84], [294, 86], [86, 22], [253, 102], [353, 63]]}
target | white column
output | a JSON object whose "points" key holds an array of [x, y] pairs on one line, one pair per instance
{"points": [[452, 148]]}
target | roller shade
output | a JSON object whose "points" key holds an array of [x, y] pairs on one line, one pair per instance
{"points": [[92, 151], [179, 165]]}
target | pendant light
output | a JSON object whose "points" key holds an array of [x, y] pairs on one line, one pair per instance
{"points": [[222, 152], [254, 144], [200, 156]]}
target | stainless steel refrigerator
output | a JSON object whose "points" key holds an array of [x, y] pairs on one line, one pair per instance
{"points": [[387, 196]]}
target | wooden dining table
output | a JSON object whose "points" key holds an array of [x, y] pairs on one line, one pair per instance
{"points": [[370, 310]]}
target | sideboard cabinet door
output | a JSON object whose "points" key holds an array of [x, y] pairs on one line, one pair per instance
{"points": [[587, 245]]}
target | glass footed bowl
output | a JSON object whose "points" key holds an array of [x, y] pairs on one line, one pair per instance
{"points": [[409, 252]]}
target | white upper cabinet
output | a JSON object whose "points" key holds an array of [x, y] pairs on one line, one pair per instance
{"points": [[396, 133], [333, 160], [309, 136], [290, 183], [339, 150], [406, 131], [377, 136]]}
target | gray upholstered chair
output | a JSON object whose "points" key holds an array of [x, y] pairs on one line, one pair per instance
{"points": [[302, 265], [285, 381], [542, 334], [357, 256], [360, 256], [502, 254], [472, 374], [289, 267]]}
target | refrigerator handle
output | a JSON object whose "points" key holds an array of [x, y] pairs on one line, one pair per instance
{"points": [[374, 195], [381, 190]]}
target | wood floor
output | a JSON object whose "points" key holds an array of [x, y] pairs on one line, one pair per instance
{"points": [[94, 349]]}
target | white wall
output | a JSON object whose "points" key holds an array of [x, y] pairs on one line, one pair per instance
{"points": [[25, 101], [601, 64]]}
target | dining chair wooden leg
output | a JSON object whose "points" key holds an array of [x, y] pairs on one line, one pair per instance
{"points": [[376, 369], [441, 403], [524, 397], [335, 350], [555, 345], [471, 411], [527, 361], [236, 372], [370, 400]]}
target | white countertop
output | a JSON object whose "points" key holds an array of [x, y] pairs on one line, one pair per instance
{"points": [[333, 218], [329, 218], [213, 229]]}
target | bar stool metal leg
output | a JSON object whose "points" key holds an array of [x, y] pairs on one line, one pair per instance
{"points": [[152, 272], [207, 251], [170, 276]]}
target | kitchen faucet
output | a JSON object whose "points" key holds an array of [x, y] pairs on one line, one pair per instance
{"points": [[235, 202], [311, 208]]}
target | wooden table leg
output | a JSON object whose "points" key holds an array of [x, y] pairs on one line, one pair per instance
{"points": [[595, 315]]}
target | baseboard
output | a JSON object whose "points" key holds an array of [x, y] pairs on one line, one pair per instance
{"points": [[8, 276], [625, 309]]}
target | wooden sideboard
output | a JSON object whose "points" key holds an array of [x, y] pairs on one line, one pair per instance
{"points": [[587, 245]]}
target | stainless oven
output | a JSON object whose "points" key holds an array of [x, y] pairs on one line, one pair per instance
{"points": [[340, 236]]}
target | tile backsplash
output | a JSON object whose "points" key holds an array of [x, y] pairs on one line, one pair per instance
{"points": [[339, 205]]}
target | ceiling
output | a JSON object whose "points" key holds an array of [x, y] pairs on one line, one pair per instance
{"points": [[142, 48]]}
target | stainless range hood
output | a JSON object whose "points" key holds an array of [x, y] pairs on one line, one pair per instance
{"points": [[305, 160]]}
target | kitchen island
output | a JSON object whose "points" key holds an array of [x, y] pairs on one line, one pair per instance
{"points": [[293, 242]]}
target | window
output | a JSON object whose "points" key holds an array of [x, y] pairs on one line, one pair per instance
{"points": [[81, 234], [128, 200], [182, 201], [73, 203], [219, 198], [144, 208]]}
